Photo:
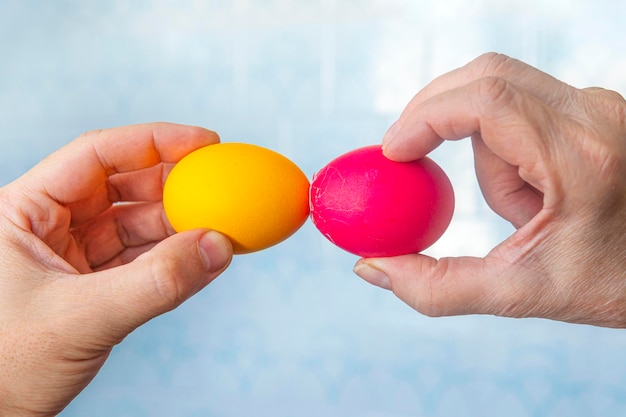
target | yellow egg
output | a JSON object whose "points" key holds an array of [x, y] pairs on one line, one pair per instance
{"points": [[253, 195]]}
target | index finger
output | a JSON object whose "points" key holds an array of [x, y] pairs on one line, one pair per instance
{"points": [[410, 144], [514, 125], [76, 171]]}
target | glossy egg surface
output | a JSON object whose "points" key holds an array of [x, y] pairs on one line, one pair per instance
{"points": [[374, 207], [253, 195]]}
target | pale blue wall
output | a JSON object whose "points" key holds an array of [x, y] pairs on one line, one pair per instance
{"points": [[291, 331]]}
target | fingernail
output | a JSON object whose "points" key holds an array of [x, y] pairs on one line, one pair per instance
{"points": [[391, 133], [373, 275], [215, 250]]}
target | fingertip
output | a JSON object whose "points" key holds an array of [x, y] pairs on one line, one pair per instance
{"points": [[391, 133], [408, 142], [211, 135], [216, 251], [372, 274], [393, 148], [174, 141]]}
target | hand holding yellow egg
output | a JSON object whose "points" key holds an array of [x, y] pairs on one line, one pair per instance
{"points": [[254, 196]]}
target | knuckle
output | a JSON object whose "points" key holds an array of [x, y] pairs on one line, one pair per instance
{"points": [[167, 287], [492, 64], [614, 97], [428, 307], [603, 145], [491, 88], [432, 299], [611, 169], [609, 95], [612, 165], [607, 105], [492, 94], [91, 134]]}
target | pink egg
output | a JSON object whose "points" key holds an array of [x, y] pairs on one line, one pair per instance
{"points": [[374, 207]]}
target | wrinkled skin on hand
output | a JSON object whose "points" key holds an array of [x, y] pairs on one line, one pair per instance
{"points": [[549, 158], [87, 256]]}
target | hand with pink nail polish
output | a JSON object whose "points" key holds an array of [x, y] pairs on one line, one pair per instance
{"points": [[88, 256], [550, 159]]}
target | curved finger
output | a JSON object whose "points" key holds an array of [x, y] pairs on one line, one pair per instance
{"points": [[142, 185], [542, 85], [539, 84], [145, 185], [123, 257], [122, 227], [514, 125], [77, 170], [505, 192]]}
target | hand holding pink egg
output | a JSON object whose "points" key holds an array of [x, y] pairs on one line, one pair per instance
{"points": [[374, 207]]}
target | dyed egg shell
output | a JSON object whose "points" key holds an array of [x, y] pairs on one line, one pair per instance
{"points": [[374, 207], [254, 196]]}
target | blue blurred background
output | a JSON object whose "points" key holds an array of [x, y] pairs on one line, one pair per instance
{"points": [[291, 331]]}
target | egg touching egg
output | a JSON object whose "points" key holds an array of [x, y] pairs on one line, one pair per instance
{"points": [[372, 206], [254, 196]]}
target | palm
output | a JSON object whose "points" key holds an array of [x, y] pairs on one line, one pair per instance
{"points": [[93, 205]]}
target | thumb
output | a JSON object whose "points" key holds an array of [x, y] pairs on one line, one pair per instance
{"points": [[448, 286], [156, 282]]}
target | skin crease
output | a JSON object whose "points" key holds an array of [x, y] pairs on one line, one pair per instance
{"points": [[81, 271], [549, 158]]}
